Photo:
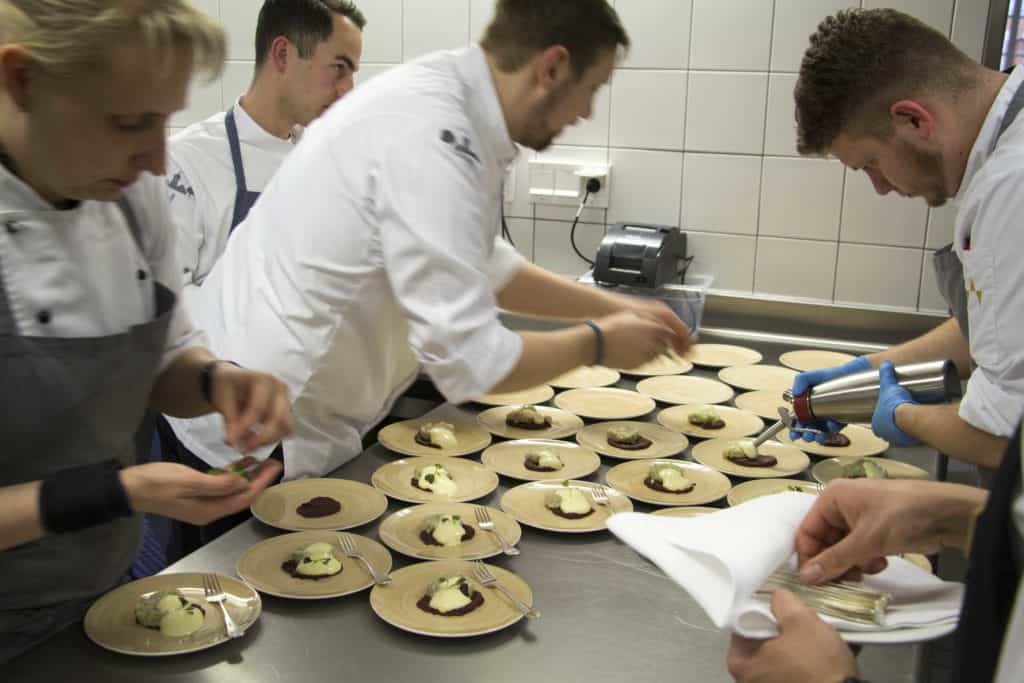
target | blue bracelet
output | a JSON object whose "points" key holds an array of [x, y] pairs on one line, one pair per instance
{"points": [[599, 339]]}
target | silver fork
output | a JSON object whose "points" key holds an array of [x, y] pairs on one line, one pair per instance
{"points": [[600, 496], [484, 521], [349, 547], [215, 593], [486, 578]]}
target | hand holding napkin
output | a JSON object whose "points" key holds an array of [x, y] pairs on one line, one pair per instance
{"points": [[722, 559]]}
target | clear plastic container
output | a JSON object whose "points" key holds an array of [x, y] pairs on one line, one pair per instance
{"points": [[687, 300]]}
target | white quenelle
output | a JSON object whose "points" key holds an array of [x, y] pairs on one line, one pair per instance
{"points": [[447, 530], [569, 500], [670, 477], [544, 458], [317, 559], [446, 594], [436, 478]]}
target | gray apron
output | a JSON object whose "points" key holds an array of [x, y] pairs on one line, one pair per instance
{"points": [[68, 402], [949, 271], [244, 199]]}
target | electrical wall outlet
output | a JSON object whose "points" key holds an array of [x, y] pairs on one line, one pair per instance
{"points": [[564, 183]]}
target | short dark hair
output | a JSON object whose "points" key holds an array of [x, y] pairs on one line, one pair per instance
{"points": [[305, 23], [859, 62], [522, 28]]}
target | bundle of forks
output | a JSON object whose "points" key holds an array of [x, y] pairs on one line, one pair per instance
{"points": [[833, 599]]}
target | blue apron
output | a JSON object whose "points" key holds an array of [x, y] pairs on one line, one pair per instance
{"points": [[244, 199]]}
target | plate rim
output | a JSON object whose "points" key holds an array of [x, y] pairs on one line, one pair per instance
{"points": [[252, 506]]}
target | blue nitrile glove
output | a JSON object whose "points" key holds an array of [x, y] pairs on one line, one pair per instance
{"points": [[890, 395], [806, 380]]}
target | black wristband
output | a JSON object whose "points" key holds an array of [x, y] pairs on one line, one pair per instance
{"points": [[206, 378], [80, 497], [598, 340]]}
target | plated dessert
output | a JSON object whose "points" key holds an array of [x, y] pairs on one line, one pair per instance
{"points": [[433, 436], [632, 440], [309, 504], [451, 596], [435, 478], [313, 562], [627, 437], [568, 502], [170, 613], [528, 417], [445, 530], [668, 478], [739, 458], [438, 435], [669, 482], [706, 418], [743, 452], [540, 459], [543, 460], [706, 421], [866, 468], [567, 506]]}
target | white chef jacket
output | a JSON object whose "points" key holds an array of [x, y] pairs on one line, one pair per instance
{"points": [[79, 273], [991, 221], [1011, 659], [374, 250], [201, 185]]}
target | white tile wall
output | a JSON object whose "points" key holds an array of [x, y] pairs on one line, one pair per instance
{"points": [[698, 124], [654, 47], [726, 112], [881, 276], [801, 198], [429, 26], [870, 218], [721, 193], [648, 109], [733, 37], [795, 21], [729, 257], [795, 268]]}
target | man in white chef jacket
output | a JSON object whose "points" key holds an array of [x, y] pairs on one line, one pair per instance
{"points": [[307, 54], [375, 250], [894, 98]]}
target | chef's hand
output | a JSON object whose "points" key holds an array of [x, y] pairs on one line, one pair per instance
{"points": [[807, 650], [255, 406], [660, 311], [891, 395], [182, 493], [803, 383], [855, 523], [632, 339]]}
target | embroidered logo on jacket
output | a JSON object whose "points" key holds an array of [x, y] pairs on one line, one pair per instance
{"points": [[176, 184], [462, 147]]}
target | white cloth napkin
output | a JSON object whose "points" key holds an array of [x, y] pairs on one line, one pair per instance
{"points": [[722, 559]]}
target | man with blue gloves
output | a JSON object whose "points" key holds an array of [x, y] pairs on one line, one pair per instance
{"points": [[890, 96]]}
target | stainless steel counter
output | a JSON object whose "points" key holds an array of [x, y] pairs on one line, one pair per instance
{"points": [[608, 615]]}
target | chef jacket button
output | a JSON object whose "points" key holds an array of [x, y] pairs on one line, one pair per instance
{"points": [[43, 317], [141, 274], [12, 227]]}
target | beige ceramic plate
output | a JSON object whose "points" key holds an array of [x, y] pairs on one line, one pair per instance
{"points": [[360, 504], [758, 377], [526, 503], [813, 359], [472, 480], [791, 460], [400, 437], [260, 566], [110, 622], [563, 424], [763, 403], [665, 364], [605, 404], [508, 458], [684, 511], [862, 442], [749, 490], [684, 390], [827, 470], [587, 377], [722, 355], [738, 423], [664, 442], [396, 602], [629, 478], [539, 394], [401, 532]]}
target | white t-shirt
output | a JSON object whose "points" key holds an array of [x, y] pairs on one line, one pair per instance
{"points": [[80, 273], [201, 186], [991, 221], [374, 250]]}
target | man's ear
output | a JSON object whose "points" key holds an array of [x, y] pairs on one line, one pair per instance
{"points": [[910, 118], [280, 54], [16, 74], [552, 67]]}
